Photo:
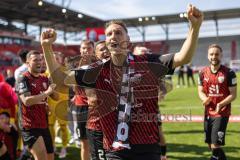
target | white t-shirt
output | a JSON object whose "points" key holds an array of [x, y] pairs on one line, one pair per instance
{"points": [[20, 70]]}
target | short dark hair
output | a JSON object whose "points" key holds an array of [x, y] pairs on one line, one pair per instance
{"points": [[86, 41], [118, 22], [5, 113], [23, 55], [215, 46], [97, 43], [32, 52]]}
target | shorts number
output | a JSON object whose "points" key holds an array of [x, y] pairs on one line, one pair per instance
{"points": [[101, 154]]}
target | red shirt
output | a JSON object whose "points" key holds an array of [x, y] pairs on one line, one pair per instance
{"points": [[216, 86], [144, 129], [80, 98], [8, 98], [34, 116]]}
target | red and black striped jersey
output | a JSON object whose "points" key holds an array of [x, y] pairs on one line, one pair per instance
{"points": [[216, 86], [106, 79], [34, 116]]}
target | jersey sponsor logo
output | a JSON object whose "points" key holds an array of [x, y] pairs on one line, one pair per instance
{"points": [[107, 80], [136, 78], [214, 89], [221, 79], [34, 85], [234, 81]]}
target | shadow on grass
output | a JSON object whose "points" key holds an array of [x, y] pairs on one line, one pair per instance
{"points": [[185, 132], [179, 152], [229, 132]]}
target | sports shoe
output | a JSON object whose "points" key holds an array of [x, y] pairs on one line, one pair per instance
{"points": [[63, 153]]}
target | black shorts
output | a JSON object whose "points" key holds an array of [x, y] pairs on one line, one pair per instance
{"points": [[30, 136], [80, 114], [95, 139], [215, 130]]}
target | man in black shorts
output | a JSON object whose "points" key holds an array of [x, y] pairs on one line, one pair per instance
{"points": [[33, 90], [127, 89], [217, 89], [95, 134], [80, 109]]}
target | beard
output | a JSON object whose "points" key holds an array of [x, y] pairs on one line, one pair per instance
{"points": [[215, 62]]}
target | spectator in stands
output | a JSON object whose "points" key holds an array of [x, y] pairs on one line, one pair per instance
{"points": [[8, 134], [190, 75], [10, 78], [23, 68]]}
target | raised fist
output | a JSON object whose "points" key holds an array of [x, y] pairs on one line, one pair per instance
{"points": [[195, 16], [48, 37]]}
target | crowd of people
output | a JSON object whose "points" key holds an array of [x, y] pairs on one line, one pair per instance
{"points": [[107, 97]]}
